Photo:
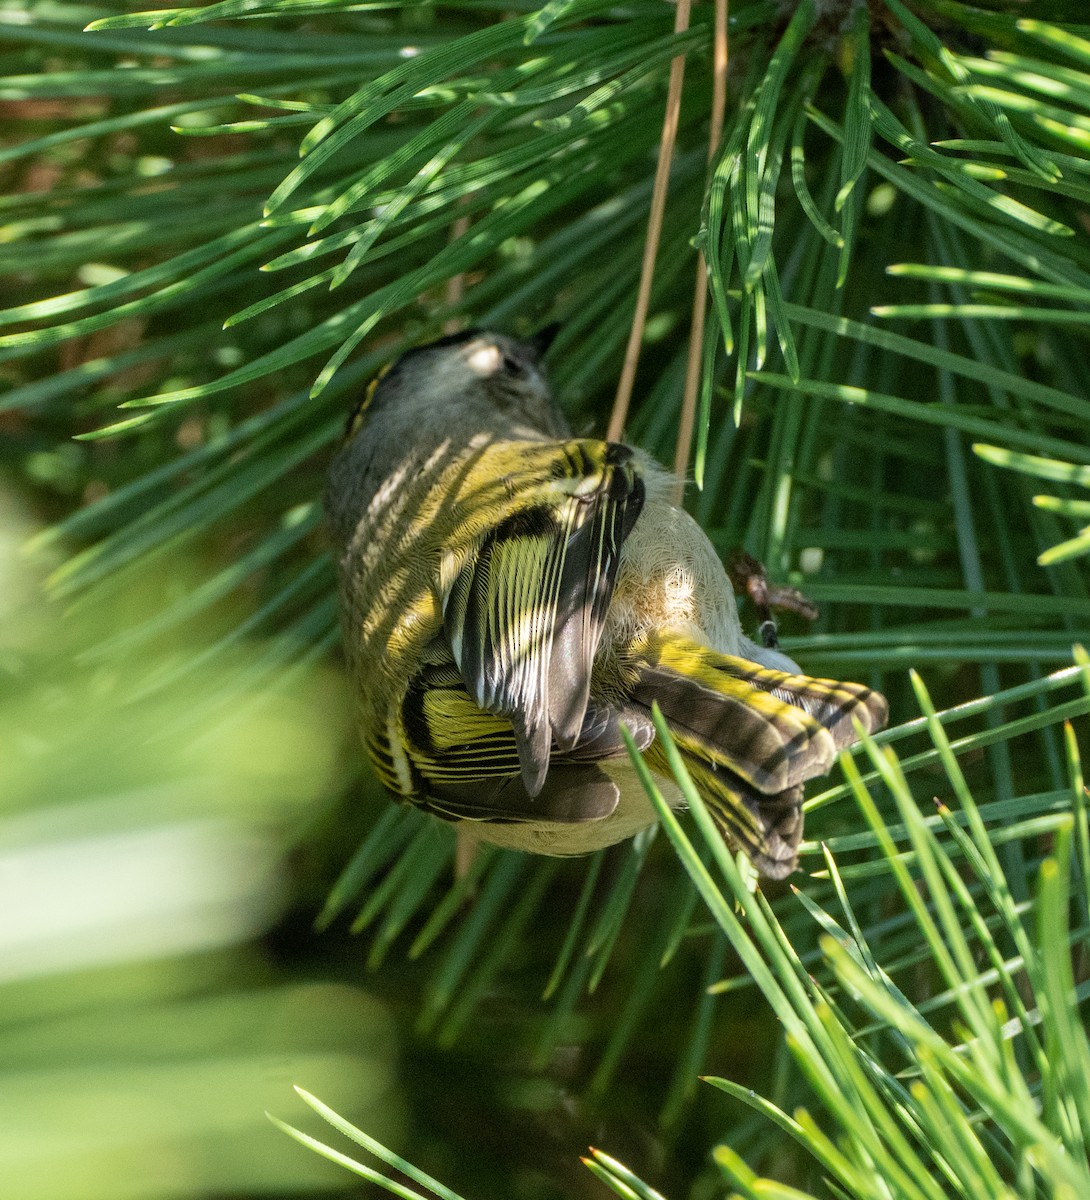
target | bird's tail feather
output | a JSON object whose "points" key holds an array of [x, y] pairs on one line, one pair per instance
{"points": [[751, 737]]}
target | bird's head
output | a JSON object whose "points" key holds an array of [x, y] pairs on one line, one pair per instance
{"points": [[477, 371]]}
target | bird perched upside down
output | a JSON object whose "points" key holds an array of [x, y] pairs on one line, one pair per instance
{"points": [[511, 596]]}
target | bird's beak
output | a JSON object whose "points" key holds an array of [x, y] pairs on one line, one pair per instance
{"points": [[540, 342]]}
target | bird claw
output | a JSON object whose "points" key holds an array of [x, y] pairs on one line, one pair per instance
{"points": [[749, 575]]}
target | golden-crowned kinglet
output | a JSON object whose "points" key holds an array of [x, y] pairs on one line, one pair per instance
{"points": [[512, 595]]}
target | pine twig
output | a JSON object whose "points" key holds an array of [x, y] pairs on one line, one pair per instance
{"points": [[720, 61], [456, 284]]}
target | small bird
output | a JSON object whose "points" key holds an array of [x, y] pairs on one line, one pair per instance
{"points": [[511, 596]]}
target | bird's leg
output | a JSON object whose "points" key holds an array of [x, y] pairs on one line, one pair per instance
{"points": [[747, 574], [466, 849]]}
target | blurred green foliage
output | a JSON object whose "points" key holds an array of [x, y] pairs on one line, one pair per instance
{"points": [[143, 855]]}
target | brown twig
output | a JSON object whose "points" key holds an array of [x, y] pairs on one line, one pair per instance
{"points": [[456, 284], [720, 60], [654, 230], [692, 381], [465, 847]]}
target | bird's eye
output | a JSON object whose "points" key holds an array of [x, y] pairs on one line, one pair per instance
{"points": [[512, 366]]}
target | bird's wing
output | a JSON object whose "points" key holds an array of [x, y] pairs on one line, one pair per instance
{"points": [[750, 737], [446, 754], [524, 611], [773, 729]]}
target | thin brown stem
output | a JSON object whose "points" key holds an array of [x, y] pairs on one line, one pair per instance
{"points": [[654, 230], [720, 61], [456, 284], [466, 847], [692, 381]]}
